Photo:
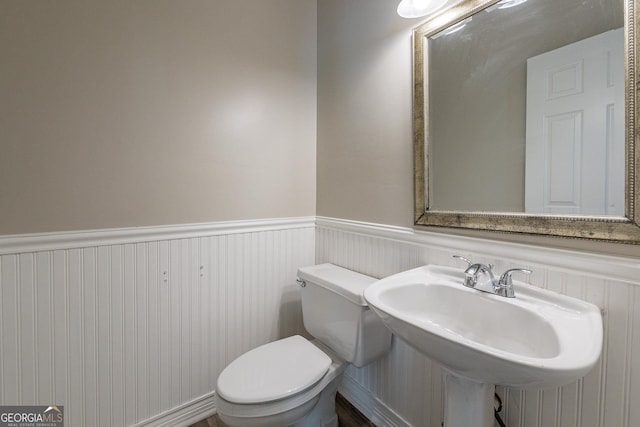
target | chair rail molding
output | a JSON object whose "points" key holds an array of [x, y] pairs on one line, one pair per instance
{"points": [[35, 242], [589, 263]]}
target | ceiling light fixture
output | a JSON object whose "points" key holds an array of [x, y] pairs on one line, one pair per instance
{"points": [[419, 8]]}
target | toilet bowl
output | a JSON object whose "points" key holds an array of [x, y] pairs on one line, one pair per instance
{"points": [[293, 381]]}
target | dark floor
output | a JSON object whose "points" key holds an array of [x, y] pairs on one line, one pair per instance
{"points": [[348, 416]]}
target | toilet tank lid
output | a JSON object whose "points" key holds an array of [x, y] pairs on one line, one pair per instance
{"points": [[342, 281]]}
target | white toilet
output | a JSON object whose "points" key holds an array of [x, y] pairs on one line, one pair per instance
{"points": [[293, 381]]}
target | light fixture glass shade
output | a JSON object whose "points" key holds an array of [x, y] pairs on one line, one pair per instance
{"points": [[418, 8]]}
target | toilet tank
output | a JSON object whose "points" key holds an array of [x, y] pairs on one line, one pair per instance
{"points": [[335, 313]]}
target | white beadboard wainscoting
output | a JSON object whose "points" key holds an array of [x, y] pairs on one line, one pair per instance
{"points": [[405, 388], [132, 326]]}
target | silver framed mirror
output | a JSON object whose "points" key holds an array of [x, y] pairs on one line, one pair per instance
{"points": [[488, 157]]}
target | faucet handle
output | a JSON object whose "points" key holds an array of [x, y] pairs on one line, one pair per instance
{"points": [[468, 261], [470, 272], [505, 284], [506, 280]]}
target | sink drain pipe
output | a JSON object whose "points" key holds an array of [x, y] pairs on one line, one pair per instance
{"points": [[497, 409]]}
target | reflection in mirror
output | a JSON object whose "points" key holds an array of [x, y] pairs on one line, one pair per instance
{"points": [[521, 119], [517, 153]]}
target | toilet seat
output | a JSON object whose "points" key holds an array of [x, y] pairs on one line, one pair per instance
{"points": [[273, 371], [298, 402]]}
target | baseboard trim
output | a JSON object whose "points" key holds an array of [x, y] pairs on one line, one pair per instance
{"points": [[183, 415], [204, 407], [15, 244], [370, 406]]}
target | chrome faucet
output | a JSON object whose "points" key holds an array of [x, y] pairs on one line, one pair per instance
{"points": [[481, 277]]}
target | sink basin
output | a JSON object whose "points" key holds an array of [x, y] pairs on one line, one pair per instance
{"points": [[538, 339]]}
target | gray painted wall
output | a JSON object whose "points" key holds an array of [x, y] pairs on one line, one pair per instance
{"points": [[152, 112]]}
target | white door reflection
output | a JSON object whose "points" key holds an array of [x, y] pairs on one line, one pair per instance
{"points": [[575, 120]]}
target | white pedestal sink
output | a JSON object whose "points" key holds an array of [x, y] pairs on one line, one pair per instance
{"points": [[538, 339]]}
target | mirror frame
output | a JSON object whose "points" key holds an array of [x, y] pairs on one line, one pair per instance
{"points": [[616, 229]]}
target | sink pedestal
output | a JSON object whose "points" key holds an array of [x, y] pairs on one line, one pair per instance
{"points": [[468, 403]]}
